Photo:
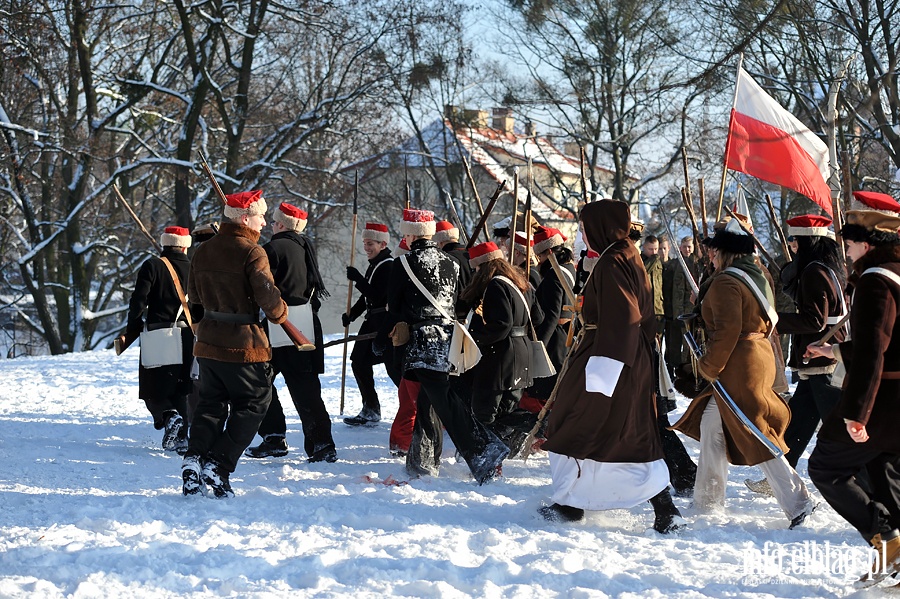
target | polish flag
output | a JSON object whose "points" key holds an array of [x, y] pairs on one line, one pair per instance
{"points": [[769, 143]]}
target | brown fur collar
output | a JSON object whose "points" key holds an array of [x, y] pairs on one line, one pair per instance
{"points": [[877, 256]]}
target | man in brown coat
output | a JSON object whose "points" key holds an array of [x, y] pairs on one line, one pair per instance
{"points": [[861, 431], [230, 278]]}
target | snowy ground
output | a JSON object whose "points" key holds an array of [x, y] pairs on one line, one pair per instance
{"points": [[90, 506]]}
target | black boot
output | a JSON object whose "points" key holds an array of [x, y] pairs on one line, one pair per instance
{"points": [[367, 417], [668, 518], [216, 478], [174, 431], [561, 513], [273, 446]]}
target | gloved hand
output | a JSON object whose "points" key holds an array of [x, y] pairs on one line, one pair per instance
{"points": [[354, 275], [345, 319]]}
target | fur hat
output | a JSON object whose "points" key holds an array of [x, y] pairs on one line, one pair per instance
{"points": [[731, 238], [546, 238], [445, 231], [205, 232], [877, 201], [178, 237], [484, 252], [872, 227], [810, 225], [419, 223], [293, 218], [250, 203], [376, 232], [501, 227]]}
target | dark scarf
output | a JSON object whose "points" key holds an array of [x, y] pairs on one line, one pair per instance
{"points": [[313, 276]]}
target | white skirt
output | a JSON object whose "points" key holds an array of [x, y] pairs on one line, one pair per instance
{"points": [[591, 485]]}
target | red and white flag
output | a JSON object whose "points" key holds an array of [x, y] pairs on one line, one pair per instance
{"points": [[769, 143]]}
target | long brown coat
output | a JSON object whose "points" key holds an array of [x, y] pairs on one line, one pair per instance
{"points": [[617, 299], [230, 273], [867, 397], [740, 356]]}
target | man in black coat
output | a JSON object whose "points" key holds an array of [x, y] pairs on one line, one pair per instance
{"points": [[295, 269], [447, 238], [373, 287], [427, 354], [165, 389]]}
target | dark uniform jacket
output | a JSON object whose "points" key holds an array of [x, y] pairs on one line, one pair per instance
{"points": [[654, 267], [429, 343], [552, 297], [458, 252], [676, 291], [502, 335], [817, 296], [372, 302], [871, 393], [230, 274], [288, 253], [154, 294]]}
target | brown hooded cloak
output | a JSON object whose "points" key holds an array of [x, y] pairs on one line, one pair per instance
{"points": [[618, 300]]}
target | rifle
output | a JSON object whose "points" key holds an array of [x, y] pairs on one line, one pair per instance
{"points": [[703, 209], [732, 406], [481, 221], [462, 229], [364, 337], [123, 342], [778, 229], [584, 191], [128, 209], [350, 283], [300, 340], [515, 216]]}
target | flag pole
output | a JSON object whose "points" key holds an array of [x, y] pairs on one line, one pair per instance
{"points": [[728, 139]]}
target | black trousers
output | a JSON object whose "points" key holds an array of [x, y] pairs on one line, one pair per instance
{"points": [[682, 469], [812, 402], [833, 468], [492, 406], [306, 393], [364, 373], [437, 404], [233, 401]]}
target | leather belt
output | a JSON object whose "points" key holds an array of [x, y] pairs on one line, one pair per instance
{"points": [[166, 325], [425, 323], [371, 311], [230, 317], [517, 332]]}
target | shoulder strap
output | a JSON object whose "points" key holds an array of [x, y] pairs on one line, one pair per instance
{"points": [[838, 290], [372, 274], [888, 274], [422, 289], [179, 291], [522, 297], [770, 312]]}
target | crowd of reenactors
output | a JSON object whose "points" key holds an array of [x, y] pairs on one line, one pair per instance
{"points": [[577, 354]]}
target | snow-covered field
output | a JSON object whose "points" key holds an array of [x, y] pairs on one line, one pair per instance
{"points": [[90, 506]]}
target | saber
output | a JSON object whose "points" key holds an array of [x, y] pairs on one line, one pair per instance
{"points": [[684, 266], [729, 402]]}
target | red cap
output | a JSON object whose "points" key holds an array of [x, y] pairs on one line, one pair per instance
{"points": [[179, 237], [292, 217], [376, 232], [810, 225], [245, 202], [484, 252], [546, 238], [417, 222], [877, 201]]}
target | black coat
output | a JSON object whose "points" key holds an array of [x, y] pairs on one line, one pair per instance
{"points": [[817, 298], [287, 252], [458, 252], [429, 343], [154, 295], [505, 360], [372, 302], [552, 297]]}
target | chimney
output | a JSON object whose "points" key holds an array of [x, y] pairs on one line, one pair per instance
{"points": [[451, 112], [476, 118], [503, 120], [530, 130]]}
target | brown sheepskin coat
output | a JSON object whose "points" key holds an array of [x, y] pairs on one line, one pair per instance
{"points": [[617, 299], [230, 273], [746, 368]]}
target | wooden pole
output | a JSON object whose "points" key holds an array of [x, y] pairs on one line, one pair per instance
{"points": [[515, 214], [350, 283], [477, 196], [137, 220], [728, 141], [778, 230], [704, 224]]}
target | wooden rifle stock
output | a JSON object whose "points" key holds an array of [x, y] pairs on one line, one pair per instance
{"points": [[123, 342], [481, 221], [296, 335]]}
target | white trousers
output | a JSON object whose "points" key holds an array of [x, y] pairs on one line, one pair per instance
{"points": [[712, 471]]}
